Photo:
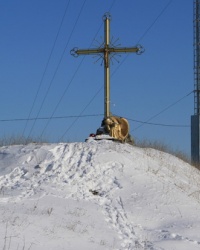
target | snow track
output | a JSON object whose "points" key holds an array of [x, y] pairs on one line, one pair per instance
{"points": [[92, 177], [131, 188]]}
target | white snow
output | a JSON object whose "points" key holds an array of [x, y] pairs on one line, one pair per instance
{"points": [[97, 195]]}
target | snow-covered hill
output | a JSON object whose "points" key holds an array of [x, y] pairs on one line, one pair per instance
{"points": [[97, 196]]}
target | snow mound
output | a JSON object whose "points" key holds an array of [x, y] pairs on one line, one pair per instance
{"points": [[97, 195]]}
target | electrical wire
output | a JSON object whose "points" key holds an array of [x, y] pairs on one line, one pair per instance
{"points": [[113, 3], [159, 124], [46, 118], [51, 82], [144, 34], [152, 24], [147, 30], [52, 117], [162, 111], [81, 116], [133, 120], [64, 93], [72, 124], [66, 89], [47, 64]]}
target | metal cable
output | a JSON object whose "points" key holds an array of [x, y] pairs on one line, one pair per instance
{"points": [[71, 125], [144, 34], [66, 131], [162, 111], [46, 118], [45, 70], [81, 115], [66, 89], [160, 14], [159, 124], [57, 67]]}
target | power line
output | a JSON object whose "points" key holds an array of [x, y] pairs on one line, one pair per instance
{"points": [[163, 10], [57, 66], [152, 24], [145, 33], [64, 93], [143, 122], [113, 3], [160, 124], [82, 116], [66, 89], [46, 118], [162, 111], [66, 131], [160, 14], [47, 64]]}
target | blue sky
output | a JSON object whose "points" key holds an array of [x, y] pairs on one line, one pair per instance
{"points": [[39, 78]]}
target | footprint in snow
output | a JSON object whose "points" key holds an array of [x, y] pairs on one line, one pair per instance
{"points": [[177, 237]]}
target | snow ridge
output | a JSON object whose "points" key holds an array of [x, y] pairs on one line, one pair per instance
{"points": [[87, 176], [142, 198]]}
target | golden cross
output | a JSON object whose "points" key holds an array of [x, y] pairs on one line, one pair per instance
{"points": [[106, 51]]}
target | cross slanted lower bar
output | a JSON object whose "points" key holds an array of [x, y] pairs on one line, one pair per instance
{"points": [[106, 51]]}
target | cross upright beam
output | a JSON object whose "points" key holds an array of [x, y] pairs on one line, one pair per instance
{"points": [[106, 51]]}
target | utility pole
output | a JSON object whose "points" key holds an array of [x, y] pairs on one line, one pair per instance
{"points": [[105, 51], [195, 119]]}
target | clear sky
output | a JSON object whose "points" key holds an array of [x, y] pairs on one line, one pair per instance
{"points": [[40, 79]]}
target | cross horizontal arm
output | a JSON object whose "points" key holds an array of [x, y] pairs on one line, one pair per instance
{"points": [[109, 50], [76, 52], [124, 50], [89, 51], [138, 49]]}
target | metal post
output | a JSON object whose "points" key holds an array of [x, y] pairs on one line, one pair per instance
{"points": [[195, 119]]}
